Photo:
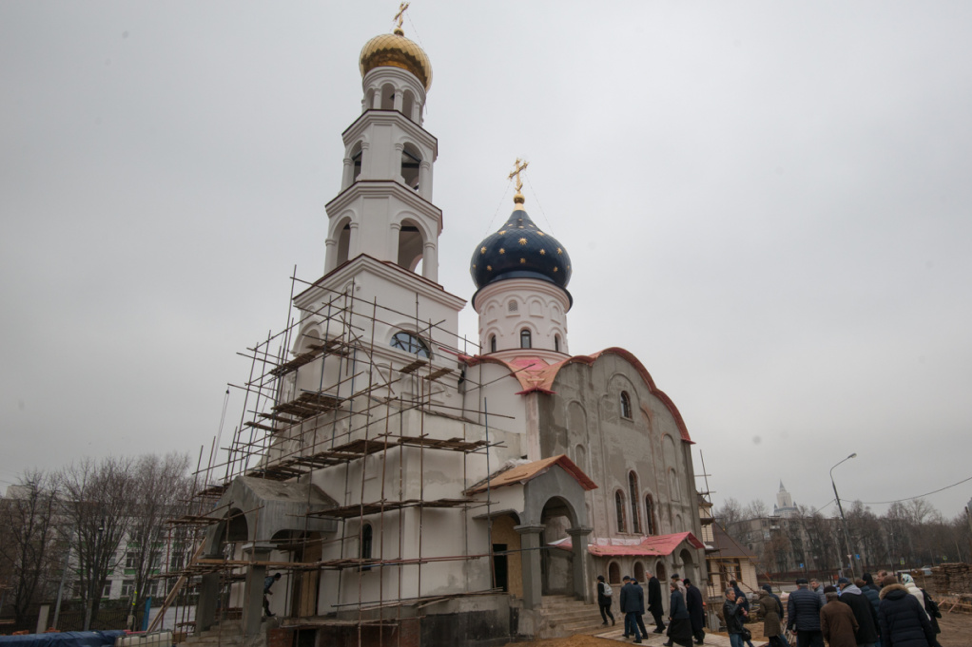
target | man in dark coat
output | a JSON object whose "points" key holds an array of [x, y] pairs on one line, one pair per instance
{"points": [[679, 622], [742, 599], [696, 609], [734, 616], [640, 618], [837, 622], [803, 615], [655, 604], [903, 622], [864, 613], [632, 603]]}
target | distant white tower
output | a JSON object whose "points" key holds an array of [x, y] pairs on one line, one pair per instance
{"points": [[784, 503]]}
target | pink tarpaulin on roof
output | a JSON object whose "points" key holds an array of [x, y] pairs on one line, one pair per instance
{"points": [[658, 546]]}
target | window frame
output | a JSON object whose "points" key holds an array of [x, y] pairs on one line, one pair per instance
{"points": [[412, 338], [625, 401], [526, 334]]}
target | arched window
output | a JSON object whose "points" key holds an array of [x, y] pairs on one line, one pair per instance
{"points": [[409, 343], [525, 339], [557, 343], [639, 572], [411, 245], [411, 160], [492, 343], [625, 405], [388, 97], [512, 306], [619, 509], [650, 524], [408, 103], [614, 573], [344, 244], [367, 540], [633, 492]]}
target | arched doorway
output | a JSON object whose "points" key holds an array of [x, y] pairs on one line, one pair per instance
{"points": [[688, 566], [556, 564]]}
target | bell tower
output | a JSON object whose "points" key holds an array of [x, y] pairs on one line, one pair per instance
{"points": [[384, 209]]}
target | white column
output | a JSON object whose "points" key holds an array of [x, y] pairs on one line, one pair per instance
{"points": [[347, 174], [416, 111], [430, 262], [394, 232], [376, 99], [425, 180], [365, 161], [399, 100], [330, 255], [399, 148], [353, 243]]}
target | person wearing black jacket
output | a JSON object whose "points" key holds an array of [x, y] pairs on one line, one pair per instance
{"points": [[803, 615], [734, 616], [632, 603], [867, 620], [903, 622], [655, 604], [604, 600], [696, 609]]}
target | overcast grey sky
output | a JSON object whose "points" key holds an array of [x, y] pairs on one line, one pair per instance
{"points": [[768, 203]]}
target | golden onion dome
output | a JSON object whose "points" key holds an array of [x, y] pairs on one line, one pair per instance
{"points": [[394, 50]]}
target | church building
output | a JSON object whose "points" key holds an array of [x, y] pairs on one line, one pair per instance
{"points": [[408, 487]]}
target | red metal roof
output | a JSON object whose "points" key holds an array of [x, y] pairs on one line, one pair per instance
{"points": [[657, 546]]}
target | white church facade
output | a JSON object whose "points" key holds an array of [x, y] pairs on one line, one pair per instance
{"points": [[406, 486]]}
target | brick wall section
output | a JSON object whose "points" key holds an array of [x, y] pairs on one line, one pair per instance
{"points": [[280, 638], [411, 629]]}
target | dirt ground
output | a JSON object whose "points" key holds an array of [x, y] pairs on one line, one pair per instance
{"points": [[956, 632]]}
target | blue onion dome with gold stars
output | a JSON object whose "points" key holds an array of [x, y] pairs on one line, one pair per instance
{"points": [[520, 250]]}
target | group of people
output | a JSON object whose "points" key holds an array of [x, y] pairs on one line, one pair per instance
{"points": [[852, 614], [686, 615]]}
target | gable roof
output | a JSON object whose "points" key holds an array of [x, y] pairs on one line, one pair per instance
{"points": [[727, 547], [528, 471]]}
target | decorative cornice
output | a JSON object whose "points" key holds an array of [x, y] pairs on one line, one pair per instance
{"points": [[343, 273], [376, 116], [383, 188]]}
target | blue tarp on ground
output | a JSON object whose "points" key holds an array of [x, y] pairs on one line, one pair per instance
{"points": [[64, 639]]}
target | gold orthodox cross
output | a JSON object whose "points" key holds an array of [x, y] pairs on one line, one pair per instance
{"points": [[400, 16], [518, 168]]}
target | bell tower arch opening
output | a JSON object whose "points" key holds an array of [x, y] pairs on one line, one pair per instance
{"points": [[411, 246]]}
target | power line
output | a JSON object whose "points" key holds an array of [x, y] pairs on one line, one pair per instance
{"points": [[914, 497]]}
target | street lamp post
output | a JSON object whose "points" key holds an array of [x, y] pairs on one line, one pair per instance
{"points": [[843, 520]]}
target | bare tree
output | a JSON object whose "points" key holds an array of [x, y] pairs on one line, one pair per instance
{"points": [[98, 508], [756, 510], [28, 540], [159, 486], [729, 513]]}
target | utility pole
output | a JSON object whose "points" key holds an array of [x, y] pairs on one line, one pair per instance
{"points": [[843, 520]]}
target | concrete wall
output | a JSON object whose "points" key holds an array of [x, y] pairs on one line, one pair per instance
{"points": [[583, 420]]}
